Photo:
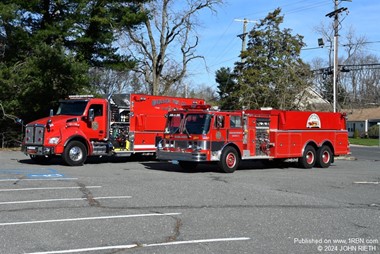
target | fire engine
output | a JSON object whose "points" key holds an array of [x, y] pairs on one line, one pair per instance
{"points": [[198, 134], [85, 126]]}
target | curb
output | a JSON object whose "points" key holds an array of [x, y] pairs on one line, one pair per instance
{"points": [[346, 158]]}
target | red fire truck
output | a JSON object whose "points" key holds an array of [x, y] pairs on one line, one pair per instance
{"points": [[84, 126], [197, 134]]}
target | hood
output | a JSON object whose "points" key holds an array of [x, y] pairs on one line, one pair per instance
{"points": [[55, 120]]}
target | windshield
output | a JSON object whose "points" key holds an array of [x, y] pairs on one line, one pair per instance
{"points": [[75, 108], [173, 123], [197, 124]]}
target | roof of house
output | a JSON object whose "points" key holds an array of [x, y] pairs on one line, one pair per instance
{"points": [[309, 99], [362, 114]]}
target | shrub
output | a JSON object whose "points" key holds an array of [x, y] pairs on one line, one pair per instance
{"points": [[373, 131], [356, 134]]}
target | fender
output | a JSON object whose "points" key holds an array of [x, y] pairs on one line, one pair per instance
{"points": [[82, 139], [309, 142], [215, 156], [328, 142]]}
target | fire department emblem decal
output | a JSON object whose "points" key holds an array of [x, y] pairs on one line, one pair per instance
{"points": [[94, 126], [218, 135], [313, 121]]}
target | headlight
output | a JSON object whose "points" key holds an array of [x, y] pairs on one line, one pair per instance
{"points": [[53, 140], [159, 145]]}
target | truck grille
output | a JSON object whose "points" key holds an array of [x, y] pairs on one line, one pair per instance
{"points": [[34, 134]]}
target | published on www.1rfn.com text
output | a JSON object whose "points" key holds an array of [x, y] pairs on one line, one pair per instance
{"points": [[360, 245]]}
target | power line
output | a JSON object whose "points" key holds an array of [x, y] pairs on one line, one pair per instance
{"points": [[307, 7], [293, 10], [348, 68], [344, 45], [220, 37], [290, 11], [359, 43]]}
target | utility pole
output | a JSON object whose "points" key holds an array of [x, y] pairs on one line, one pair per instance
{"points": [[244, 34], [335, 14], [336, 35]]}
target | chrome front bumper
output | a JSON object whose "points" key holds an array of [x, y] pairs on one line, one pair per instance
{"points": [[37, 150], [180, 156]]}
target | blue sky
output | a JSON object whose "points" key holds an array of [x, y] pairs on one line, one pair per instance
{"points": [[220, 45]]}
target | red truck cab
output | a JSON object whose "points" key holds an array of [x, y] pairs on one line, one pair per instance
{"points": [[86, 126], [197, 135]]}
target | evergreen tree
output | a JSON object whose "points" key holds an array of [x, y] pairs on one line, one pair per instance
{"points": [[88, 28], [48, 46], [227, 85], [271, 73]]}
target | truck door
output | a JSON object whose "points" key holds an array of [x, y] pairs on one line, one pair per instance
{"points": [[235, 132], [97, 129], [218, 132]]}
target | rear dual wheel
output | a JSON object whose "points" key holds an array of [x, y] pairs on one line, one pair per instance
{"points": [[308, 158], [324, 157], [321, 158]]}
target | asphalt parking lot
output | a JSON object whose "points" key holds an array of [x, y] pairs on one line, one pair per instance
{"points": [[144, 206]]}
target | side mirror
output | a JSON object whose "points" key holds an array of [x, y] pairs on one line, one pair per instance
{"points": [[19, 121], [91, 115]]}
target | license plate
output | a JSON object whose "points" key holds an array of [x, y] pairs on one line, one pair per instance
{"points": [[31, 149]]}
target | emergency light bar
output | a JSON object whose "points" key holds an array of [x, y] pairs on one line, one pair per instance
{"points": [[78, 96], [196, 106]]}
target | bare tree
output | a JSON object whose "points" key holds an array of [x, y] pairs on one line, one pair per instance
{"points": [[8, 135], [108, 81], [327, 34], [358, 74], [167, 41]]}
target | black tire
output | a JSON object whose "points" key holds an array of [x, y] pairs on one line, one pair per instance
{"points": [[229, 160], [308, 158], [324, 157], [40, 159], [188, 165], [75, 153]]}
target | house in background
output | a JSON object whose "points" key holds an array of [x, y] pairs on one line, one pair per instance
{"points": [[309, 99], [361, 120], [357, 119]]}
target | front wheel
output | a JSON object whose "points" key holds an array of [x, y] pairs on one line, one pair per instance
{"points": [[229, 160], [308, 158], [324, 157], [75, 153]]}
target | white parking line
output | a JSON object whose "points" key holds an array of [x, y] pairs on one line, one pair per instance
{"points": [[59, 199], [89, 218], [364, 182], [49, 188], [37, 179], [198, 241], [130, 246]]}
